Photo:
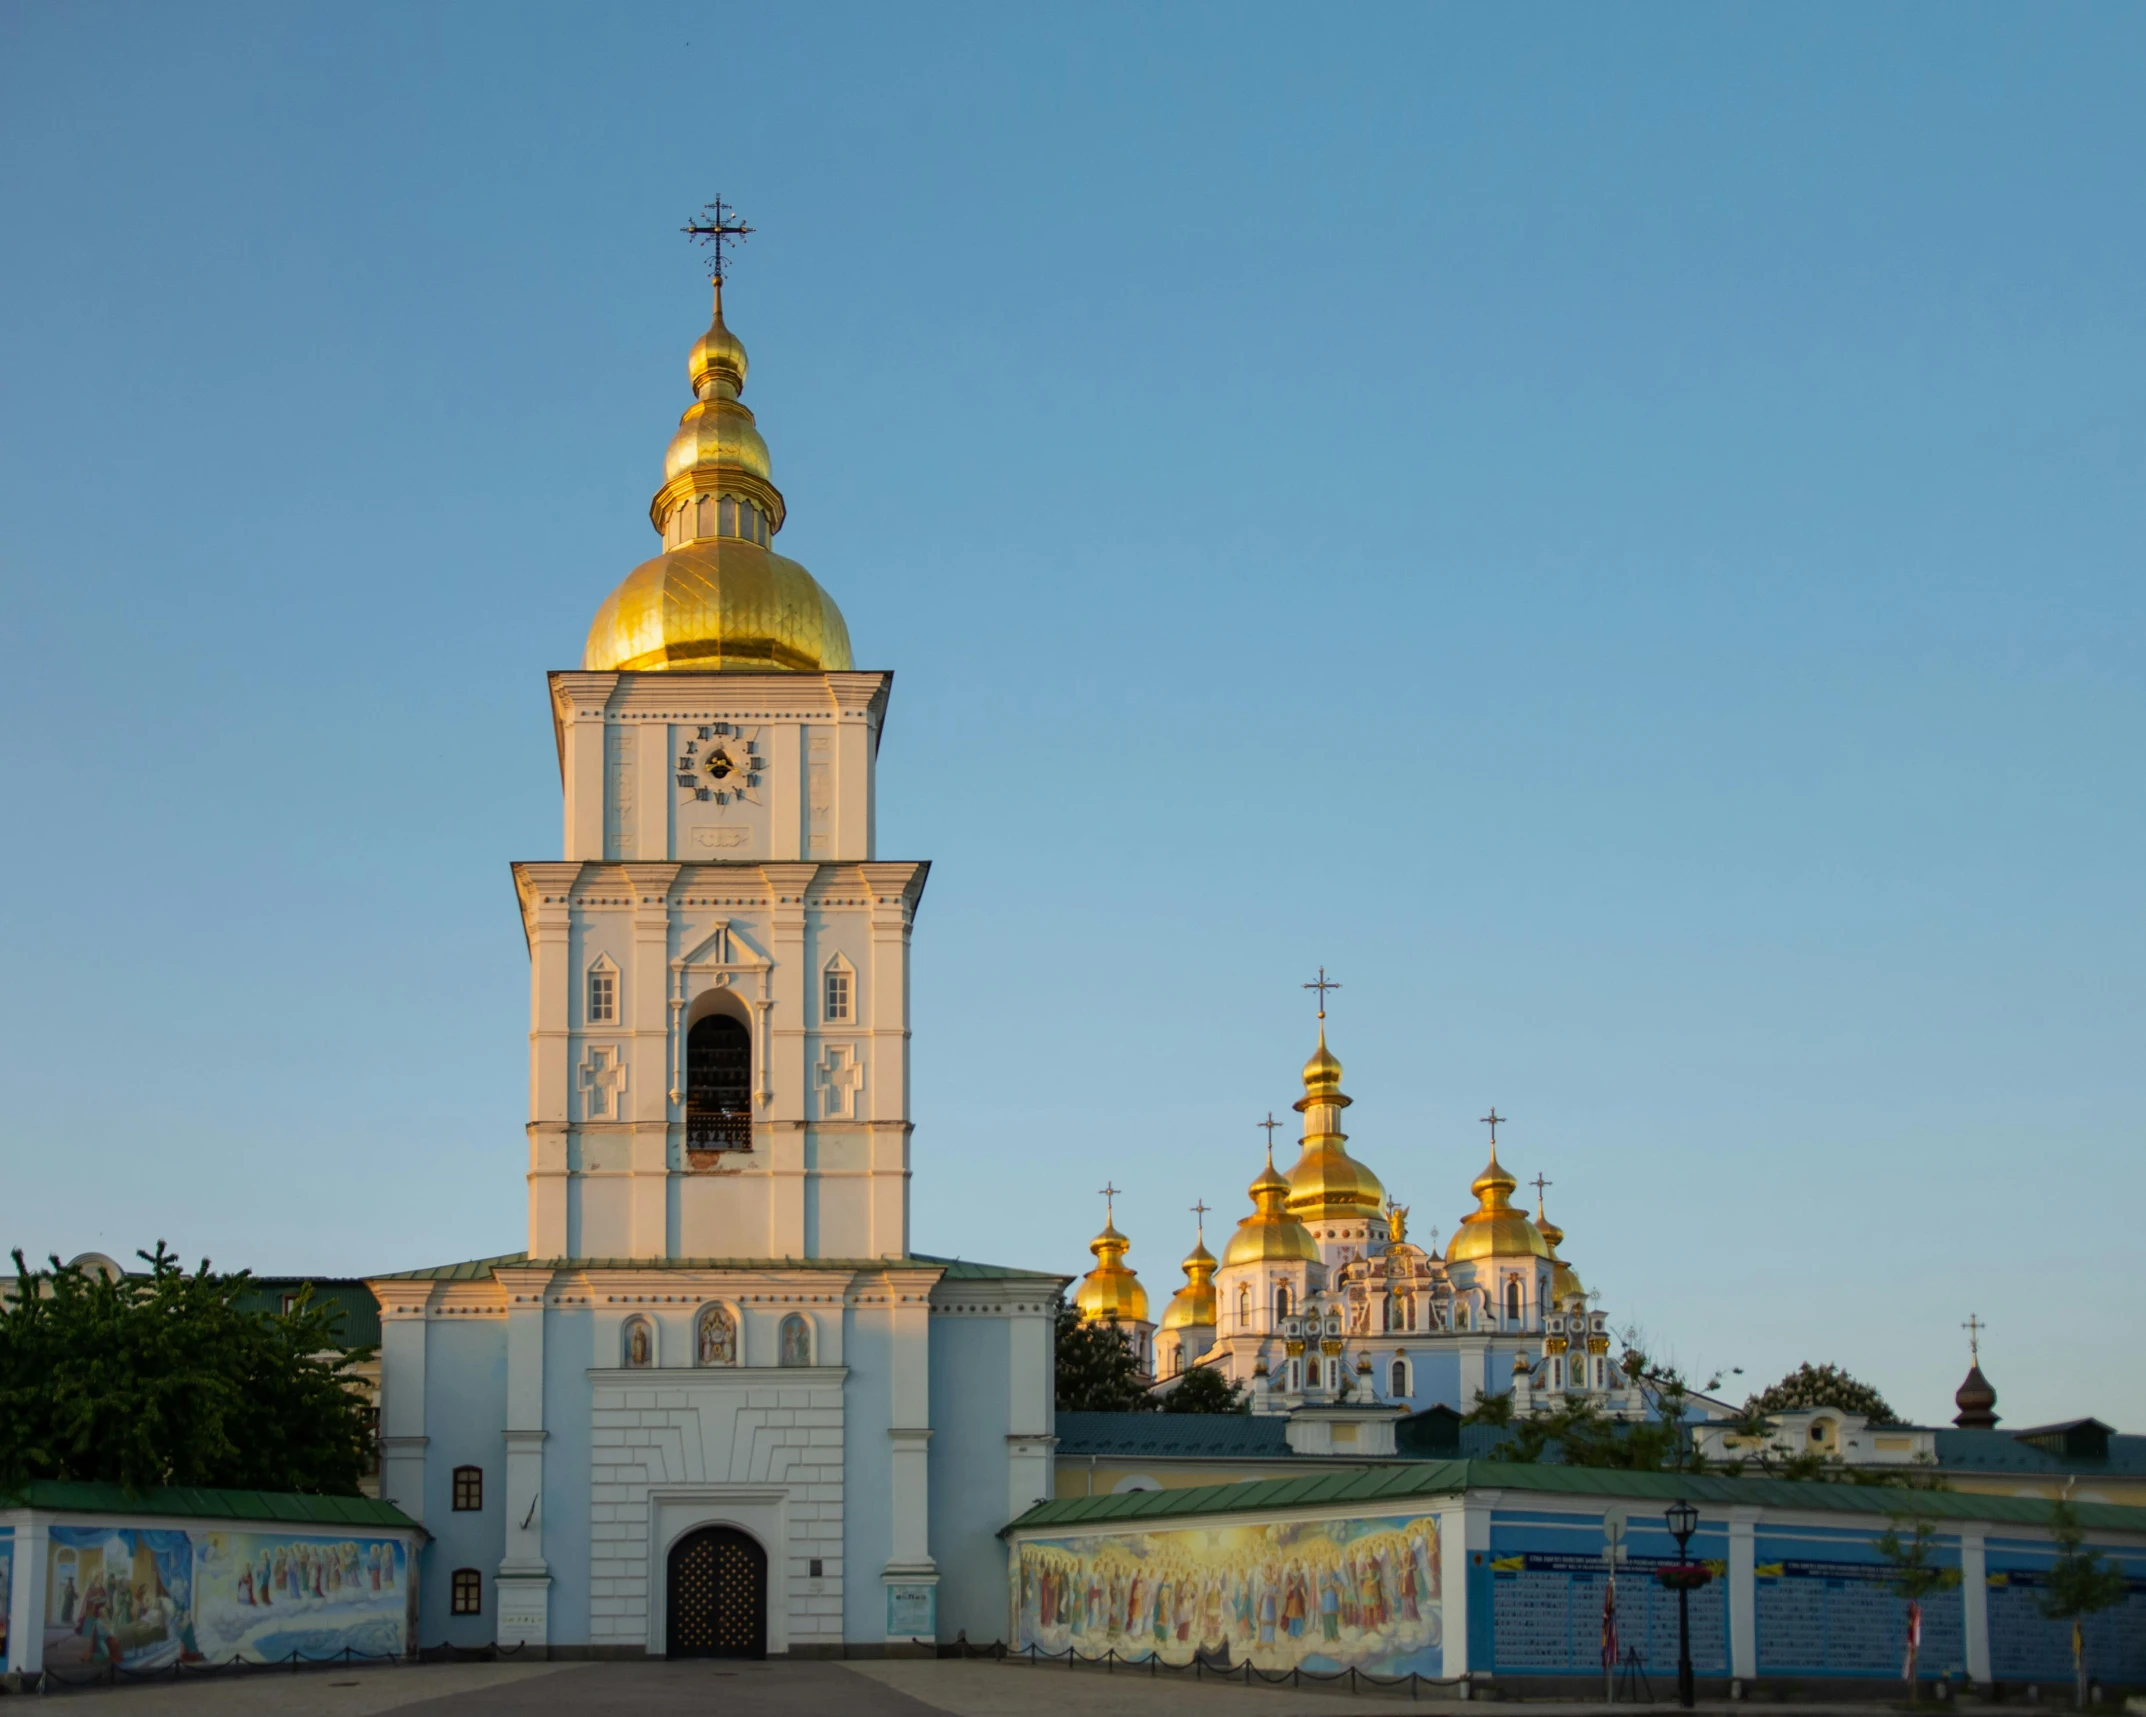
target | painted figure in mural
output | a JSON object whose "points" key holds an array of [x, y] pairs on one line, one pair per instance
{"points": [[637, 1343], [796, 1341], [716, 1337], [69, 1597]]}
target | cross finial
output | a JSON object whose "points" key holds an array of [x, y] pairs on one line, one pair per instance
{"points": [[718, 227], [1199, 1215], [1270, 1123], [1493, 1120], [1322, 986], [1974, 1327], [1538, 1183], [1110, 1202]]}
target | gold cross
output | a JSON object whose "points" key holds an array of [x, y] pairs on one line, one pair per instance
{"points": [[1538, 1183], [1492, 1121], [1270, 1123], [718, 227], [1322, 986], [1110, 1200], [1199, 1213]]}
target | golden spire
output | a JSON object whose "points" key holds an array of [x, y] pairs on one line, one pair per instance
{"points": [[1110, 1292], [1194, 1303], [1327, 1184], [1270, 1234], [1494, 1228], [718, 597]]}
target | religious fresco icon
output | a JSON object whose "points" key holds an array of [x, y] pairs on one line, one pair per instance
{"points": [[715, 1337], [1319, 1595], [796, 1341], [640, 1344]]}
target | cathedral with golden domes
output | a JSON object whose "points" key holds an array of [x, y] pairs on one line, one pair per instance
{"points": [[1322, 1299]]}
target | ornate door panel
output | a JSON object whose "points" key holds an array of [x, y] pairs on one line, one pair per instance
{"points": [[718, 1595]]}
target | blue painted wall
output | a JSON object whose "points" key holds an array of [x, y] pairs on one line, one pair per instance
{"points": [[465, 1409], [971, 1385]]}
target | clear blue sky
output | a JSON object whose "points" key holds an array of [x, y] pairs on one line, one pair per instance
{"points": [[1619, 533]]}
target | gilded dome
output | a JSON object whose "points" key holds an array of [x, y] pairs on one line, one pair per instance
{"points": [[718, 599], [1494, 1229], [1326, 1184], [1110, 1292], [1270, 1235], [721, 603], [1194, 1303]]}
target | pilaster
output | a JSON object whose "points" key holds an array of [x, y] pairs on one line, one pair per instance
{"points": [[1743, 1594], [1975, 1601], [26, 1599], [402, 1392]]}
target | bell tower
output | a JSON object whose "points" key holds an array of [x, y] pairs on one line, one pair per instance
{"points": [[719, 961]]}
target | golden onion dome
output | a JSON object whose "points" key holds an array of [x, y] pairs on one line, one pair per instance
{"points": [[1194, 1303], [1270, 1235], [718, 598], [1326, 1184], [1110, 1292], [1494, 1229], [1565, 1282]]}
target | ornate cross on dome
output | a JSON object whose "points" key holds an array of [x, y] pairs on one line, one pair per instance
{"points": [[1110, 1201], [1492, 1121], [1322, 986], [1199, 1215], [1974, 1327], [1270, 1123], [1538, 1183], [718, 227]]}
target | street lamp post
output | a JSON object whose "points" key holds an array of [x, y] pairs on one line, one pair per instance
{"points": [[1683, 1522]]}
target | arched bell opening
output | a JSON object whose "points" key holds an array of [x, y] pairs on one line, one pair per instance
{"points": [[719, 1083]]}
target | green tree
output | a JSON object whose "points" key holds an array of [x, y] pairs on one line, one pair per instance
{"points": [[1912, 1576], [1823, 1386], [2080, 1583], [1204, 1389], [1097, 1369], [1584, 1436], [163, 1379]]}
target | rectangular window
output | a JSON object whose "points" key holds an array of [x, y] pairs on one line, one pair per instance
{"points": [[469, 1489], [603, 998], [837, 996], [468, 1590]]}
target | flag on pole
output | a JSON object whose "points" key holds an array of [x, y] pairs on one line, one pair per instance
{"points": [[1907, 1667], [1609, 1624]]}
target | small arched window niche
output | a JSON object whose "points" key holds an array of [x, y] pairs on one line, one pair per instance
{"points": [[701, 516], [602, 991], [637, 1344], [838, 992], [794, 1341], [719, 1081], [1397, 1381], [715, 1337]]}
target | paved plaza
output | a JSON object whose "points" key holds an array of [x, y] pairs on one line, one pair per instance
{"points": [[868, 1688]]}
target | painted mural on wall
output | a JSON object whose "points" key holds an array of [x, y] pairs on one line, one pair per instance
{"points": [[1317, 1595], [147, 1598]]}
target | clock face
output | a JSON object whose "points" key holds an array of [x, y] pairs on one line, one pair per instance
{"points": [[720, 762]]}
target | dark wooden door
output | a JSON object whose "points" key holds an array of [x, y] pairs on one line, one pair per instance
{"points": [[718, 1595]]}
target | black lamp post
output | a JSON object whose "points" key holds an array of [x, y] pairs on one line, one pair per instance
{"points": [[1683, 1522]]}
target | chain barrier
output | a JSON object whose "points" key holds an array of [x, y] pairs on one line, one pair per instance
{"points": [[1208, 1666], [115, 1674]]}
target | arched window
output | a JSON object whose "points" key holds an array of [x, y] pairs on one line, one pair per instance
{"points": [[839, 1002], [1397, 1383], [1512, 1298], [1281, 1300], [719, 1079], [1296, 1375], [1244, 1307], [638, 1342], [603, 993]]}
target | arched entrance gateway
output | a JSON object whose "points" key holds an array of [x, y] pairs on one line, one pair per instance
{"points": [[717, 1603]]}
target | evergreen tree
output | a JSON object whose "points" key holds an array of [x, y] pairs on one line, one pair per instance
{"points": [[1204, 1389], [163, 1379], [2079, 1584], [1097, 1370], [1823, 1386]]}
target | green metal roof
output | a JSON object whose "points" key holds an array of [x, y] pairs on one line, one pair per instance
{"points": [[951, 1269], [82, 1496], [347, 1295], [1397, 1483]]}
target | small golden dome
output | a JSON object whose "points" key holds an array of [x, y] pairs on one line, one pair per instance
{"points": [[720, 599], [1110, 1291], [1494, 1229], [1565, 1282], [1326, 1184], [1194, 1303], [1270, 1235]]}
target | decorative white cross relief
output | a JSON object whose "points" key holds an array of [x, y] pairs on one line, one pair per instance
{"points": [[603, 1079], [839, 1078]]}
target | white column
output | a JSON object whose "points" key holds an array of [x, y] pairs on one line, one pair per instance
{"points": [[582, 764], [1463, 1534], [646, 1013], [1743, 1594], [402, 1393], [1975, 1600], [653, 789], [547, 918], [910, 1573], [1028, 1411], [1474, 1354], [524, 1578], [26, 1603]]}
